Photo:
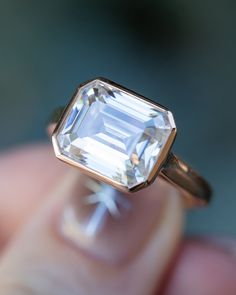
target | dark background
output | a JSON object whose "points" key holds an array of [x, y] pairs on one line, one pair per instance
{"points": [[179, 53]]}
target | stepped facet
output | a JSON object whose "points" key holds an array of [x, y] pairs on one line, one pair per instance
{"points": [[114, 132]]}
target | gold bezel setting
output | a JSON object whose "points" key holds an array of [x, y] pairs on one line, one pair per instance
{"points": [[96, 174]]}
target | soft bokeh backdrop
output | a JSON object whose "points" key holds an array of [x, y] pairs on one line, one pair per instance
{"points": [[180, 53]]}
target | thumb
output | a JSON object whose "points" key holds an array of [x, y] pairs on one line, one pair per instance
{"points": [[89, 239]]}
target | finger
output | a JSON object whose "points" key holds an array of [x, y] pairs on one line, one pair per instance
{"points": [[204, 267], [69, 241], [26, 176]]}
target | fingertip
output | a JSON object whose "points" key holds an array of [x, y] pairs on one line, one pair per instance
{"points": [[26, 174], [202, 268]]}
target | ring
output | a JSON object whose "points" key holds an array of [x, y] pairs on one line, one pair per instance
{"points": [[123, 139]]}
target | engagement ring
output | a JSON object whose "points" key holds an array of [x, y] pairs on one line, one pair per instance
{"points": [[124, 140]]}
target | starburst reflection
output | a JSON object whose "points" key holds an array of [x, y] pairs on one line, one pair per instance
{"points": [[107, 201]]}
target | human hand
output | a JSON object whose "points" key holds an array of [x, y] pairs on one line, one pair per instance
{"points": [[48, 247]]}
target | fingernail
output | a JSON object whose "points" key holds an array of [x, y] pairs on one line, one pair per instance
{"points": [[110, 225]]}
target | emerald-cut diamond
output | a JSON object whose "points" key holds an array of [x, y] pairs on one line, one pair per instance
{"points": [[114, 133]]}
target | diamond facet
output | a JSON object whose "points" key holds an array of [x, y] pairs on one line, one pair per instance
{"points": [[114, 133]]}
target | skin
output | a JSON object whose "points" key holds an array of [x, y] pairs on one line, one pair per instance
{"points": [[35, 259]]}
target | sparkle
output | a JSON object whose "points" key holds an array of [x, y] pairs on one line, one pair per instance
{"points": [[107, 200], [114, 133]]}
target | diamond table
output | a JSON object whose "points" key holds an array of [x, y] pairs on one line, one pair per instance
{"points": [[114, 132]]}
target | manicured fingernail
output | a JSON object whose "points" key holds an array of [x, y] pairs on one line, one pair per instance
{"points": [[108, 224]]}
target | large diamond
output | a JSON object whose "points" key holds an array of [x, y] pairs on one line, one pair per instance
{"points": [[114, 133]]}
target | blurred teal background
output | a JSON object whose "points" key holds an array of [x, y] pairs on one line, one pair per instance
{"points": [[179, 53]]}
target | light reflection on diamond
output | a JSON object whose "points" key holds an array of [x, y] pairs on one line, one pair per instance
{"points": [[112, 132]]}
